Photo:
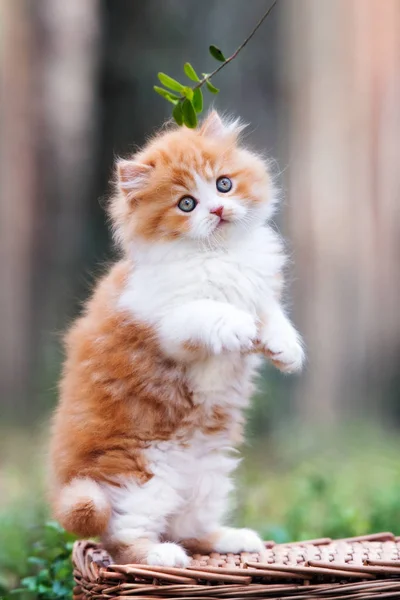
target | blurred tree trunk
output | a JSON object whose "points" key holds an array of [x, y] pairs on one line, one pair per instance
{"points": [[70, 55], [48, 70], [344, 181], [17, 204]]}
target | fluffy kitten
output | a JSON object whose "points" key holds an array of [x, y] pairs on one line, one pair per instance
{"points": [[160, 365]]}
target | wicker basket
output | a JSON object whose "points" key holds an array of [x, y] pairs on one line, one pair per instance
{"points": [[357, 568]]}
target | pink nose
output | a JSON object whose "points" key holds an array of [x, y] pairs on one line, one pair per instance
{"points": [[217, 211]]}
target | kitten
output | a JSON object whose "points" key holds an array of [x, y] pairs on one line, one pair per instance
{"points": [[160, 365]]}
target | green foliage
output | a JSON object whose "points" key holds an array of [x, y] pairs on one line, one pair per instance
{"points": [[46, 574], [188, 93], [177, 113], [170, 83], [211, 88], [167, 95], [189, 103], [193, 95], [198, 100], [189, 114], [335, 485], [217, 53], [190, 72], [51, 562]]}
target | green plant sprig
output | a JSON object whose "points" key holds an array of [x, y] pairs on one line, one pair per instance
{"points": [[188, 100]]}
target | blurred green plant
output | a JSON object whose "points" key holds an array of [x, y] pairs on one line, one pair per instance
{"points": [[50, 566], [34, 554], [188, 100], [300, 486]]}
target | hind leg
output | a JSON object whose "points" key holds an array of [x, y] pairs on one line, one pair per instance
{"points": [[138, 522], [199, 526]]}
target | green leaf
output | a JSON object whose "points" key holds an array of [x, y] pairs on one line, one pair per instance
{"points": [[35, 560], [216, 53], [177, 113], [190, 72], [54, 526], [189, 114], [165, 94], [198, 100], [30, 583], [188, 93], [62, 570], [43, 576], [211, 88], [60, 590], [69, 546], [170, 83]]}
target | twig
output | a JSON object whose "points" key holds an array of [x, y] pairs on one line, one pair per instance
{"points": [[239, 49]]}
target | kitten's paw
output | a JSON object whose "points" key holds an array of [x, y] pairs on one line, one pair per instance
{"points": [[287, 356], [167, 555], [235, 331], [238, 540], [285, 350]]}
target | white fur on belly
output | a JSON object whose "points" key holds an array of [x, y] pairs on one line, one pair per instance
{"points": [[187, 496]]}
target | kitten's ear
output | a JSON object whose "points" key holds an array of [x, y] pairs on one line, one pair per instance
{"points": [[132, 175], [215, 127]]}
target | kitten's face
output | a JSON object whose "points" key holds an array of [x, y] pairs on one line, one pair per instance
{"points": [[198, 185]]}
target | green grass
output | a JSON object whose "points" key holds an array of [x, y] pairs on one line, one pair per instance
{"points": [[294, 485], [336, 485], [34, 553]]}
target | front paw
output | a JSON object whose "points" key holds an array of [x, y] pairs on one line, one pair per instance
{"points": [[235, 331], [285, 351], [230, 540], [167, 554]]}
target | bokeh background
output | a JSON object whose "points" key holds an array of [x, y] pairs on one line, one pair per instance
{"points": [[320, 86]]}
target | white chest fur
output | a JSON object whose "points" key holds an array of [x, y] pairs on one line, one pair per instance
{"points": [[243, 275], [167, 276]]}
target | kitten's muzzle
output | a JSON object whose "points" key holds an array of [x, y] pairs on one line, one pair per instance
{"points": [[217, 211]]}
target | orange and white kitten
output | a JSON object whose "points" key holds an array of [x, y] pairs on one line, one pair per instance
{"points": [[160, 365]]}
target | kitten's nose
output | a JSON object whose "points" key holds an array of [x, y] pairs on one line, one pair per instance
{"points": [[217, 211]]}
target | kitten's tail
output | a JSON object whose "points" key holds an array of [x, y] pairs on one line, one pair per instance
{"points": [[82, 507]]}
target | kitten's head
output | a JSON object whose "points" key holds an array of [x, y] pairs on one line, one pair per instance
{"points": [[201, 185]]}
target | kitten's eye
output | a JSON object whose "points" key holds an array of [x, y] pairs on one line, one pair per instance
{"points": [[224, 184], [187, 204]]}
